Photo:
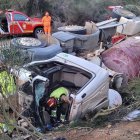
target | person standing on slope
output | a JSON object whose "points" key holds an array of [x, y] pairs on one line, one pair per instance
{"points": [[47, 23]]}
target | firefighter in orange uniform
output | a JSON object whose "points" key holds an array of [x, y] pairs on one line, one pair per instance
{"points": [[47, 23]]}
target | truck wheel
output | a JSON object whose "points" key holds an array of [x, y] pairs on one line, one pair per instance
{"points": [[27, 43], [80, 32], [37, 31], [120, 12], [118, 81]]}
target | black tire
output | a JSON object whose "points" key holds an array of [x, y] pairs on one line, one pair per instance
{"points": [[118, 84], [80, 32], [73, 29], [27, 43], [120, 12], [37, 31]]}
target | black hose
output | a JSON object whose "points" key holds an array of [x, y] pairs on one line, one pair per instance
{"points": [[103, 36]]}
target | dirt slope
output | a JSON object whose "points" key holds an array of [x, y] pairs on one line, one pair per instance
{"points": [[120, 131]]}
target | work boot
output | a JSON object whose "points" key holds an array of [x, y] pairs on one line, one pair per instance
{"points": [[48, 127]]}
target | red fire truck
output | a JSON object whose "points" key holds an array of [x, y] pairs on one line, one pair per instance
{"points": [[17, 23]]}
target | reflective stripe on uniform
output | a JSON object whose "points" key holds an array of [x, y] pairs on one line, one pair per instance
{"points": [[58, 92]]}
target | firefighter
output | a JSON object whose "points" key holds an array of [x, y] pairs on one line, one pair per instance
{"points": [[59, 99], [47, 23]]}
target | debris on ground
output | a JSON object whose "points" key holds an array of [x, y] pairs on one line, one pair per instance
{"points": [[122, 130], [115, 99], [126, 63], [132, 116]]}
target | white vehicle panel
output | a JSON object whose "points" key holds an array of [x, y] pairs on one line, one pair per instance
{"points": [[93, 90]]}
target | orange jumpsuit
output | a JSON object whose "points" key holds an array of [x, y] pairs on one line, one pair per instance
{"points": [[47, 24]]}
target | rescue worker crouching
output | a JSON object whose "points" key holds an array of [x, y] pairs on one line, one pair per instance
{"points": [[59, 100]]}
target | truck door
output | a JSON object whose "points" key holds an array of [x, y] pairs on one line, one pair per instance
{"points": [[97, 97], [21, 24], [9, 22]]}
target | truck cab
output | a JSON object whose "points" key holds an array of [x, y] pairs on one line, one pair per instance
{"points": [[17, 23], [88, 83]]}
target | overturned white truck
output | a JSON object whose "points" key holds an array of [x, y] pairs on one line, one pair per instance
{"points": [[88, 83]]}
